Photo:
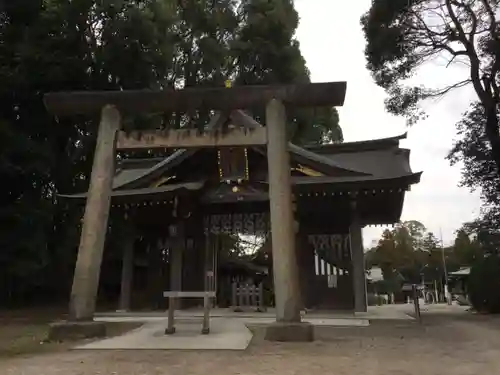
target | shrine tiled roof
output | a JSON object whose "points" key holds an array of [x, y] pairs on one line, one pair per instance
{"points": [[129, 173], [191, 186], [372, 161], [382, 158]]}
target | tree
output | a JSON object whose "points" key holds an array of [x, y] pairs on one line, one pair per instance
{"points": [[402, 35], [63, 45], [478, 172], [467, 251], [398, 252], [484, 285], [267, 52], [29, 142], [408, 252], [472, 149], [486, 232]]}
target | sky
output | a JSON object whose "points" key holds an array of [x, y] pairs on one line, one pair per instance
{"points": [[332, 42]]}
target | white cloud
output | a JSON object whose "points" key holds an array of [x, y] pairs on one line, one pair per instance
{"points": [[332, 43]]}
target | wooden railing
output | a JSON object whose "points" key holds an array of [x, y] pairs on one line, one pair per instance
{"points": [[247, 296]]}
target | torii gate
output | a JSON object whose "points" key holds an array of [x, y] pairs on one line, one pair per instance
{"points": [[110, 105]]}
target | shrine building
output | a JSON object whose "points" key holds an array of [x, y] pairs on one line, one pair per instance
{"points": [[188, 215], [180, 207]]}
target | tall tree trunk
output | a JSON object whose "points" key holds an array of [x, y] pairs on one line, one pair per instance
{"points": [[492, 133]]}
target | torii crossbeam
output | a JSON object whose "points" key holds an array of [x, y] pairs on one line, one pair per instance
{"points": [[240, 97]]}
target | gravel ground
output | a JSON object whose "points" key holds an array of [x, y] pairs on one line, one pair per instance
{"points": [[458, 345]]}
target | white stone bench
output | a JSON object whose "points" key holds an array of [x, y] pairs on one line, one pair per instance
{"points": [[172, 298]]}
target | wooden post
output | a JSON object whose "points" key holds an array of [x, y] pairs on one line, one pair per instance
{"points": [[358, 262], [207, 268], [176, 260], [416, 303], [171, 324], [127, 273], [234, 294], [246, 295], [261, 297], [252, 295], [280, 201], [205, 330], [95, 220], [241, 302], [253, 299]]}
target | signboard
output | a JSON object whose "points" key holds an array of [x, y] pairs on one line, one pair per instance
{"points": [[249, 223]]}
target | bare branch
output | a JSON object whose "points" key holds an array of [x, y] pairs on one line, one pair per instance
{"points": [[471, 51], [447, 89], [451, 61], [439, 41]]}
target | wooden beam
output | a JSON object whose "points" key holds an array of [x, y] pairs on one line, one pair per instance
{"points": [[217, 120], [219, 98], [191, 139], [240, 118]]}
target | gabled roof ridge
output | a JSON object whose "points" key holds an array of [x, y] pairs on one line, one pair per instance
{"points": [[178, 156], [322, 159], [357, 146], [310, 153], [216, 121]]}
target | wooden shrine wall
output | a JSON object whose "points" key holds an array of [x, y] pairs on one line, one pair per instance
{"points": [[325, 268]]}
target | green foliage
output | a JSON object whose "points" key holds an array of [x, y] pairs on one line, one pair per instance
{"points": [[467, 250], [266, 52], [484, 285], [403, 35], [486, 231], [473, 151], [321, 127], [266, 42], [401, 253], [409, 252], [63, 45]]}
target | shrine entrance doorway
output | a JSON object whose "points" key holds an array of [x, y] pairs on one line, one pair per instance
{"points": [[237, 251], [333, 280]]}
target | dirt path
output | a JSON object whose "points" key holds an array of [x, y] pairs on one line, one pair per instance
{"points": [[442, 345]]}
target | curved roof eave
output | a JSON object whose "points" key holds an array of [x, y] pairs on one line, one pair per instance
{"points": [[321, 160], [356, 146], [190, 186], [410, 179], [174, 159]]}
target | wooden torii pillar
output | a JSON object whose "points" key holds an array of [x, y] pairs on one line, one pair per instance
{"points": [[111, 104]]}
